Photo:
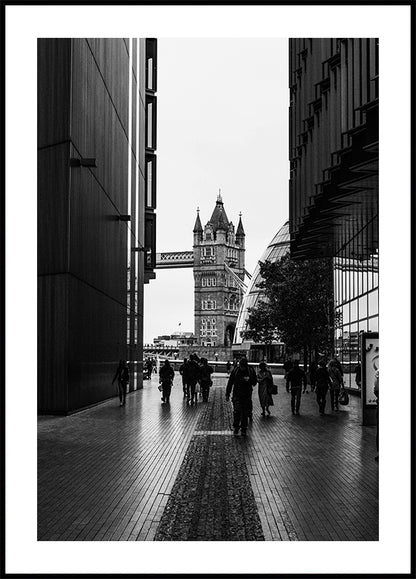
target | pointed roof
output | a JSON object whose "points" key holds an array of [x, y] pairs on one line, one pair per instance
{"points": [[240, 228], [198, 224], [219, 219]]}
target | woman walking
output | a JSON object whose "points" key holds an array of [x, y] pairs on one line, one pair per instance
{"points": [[166, 375], [122, 376], [265, 380]]}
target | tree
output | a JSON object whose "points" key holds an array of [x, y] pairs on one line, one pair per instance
{"points": [[297, 308]]}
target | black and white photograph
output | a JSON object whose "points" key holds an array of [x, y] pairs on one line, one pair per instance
{"points": [[211, 224]]}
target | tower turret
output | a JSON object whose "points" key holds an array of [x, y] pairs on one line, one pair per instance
{"points": [[240, 235], [198, 231]]}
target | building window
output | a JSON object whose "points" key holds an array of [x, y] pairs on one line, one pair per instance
{"points": [[208, 252], [209, 304], [151, 122], [150, 240], [151, 64], [150, 177]]}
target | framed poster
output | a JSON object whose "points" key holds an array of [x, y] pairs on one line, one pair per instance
{"points": [[370, 366]]}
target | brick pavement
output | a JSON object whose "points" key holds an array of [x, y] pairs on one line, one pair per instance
{"points": [[117, 474]]}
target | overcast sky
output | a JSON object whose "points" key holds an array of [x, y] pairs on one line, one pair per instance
{"points": [[222, 123]]}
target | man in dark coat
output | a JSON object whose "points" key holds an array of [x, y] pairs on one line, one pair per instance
{"points": [[205, 380], [192, 373], [240, 383], [322, 383], [166, 375], [295, 378]]}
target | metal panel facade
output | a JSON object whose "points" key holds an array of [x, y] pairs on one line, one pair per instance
{"points": [[90, 283]]}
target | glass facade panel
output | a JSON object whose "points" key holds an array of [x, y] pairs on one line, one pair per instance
{"points": [[354, 310], [362, 307], [356, 293], [277, 248]]}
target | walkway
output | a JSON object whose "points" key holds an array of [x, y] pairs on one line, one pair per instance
{"points": [[149, 471]]}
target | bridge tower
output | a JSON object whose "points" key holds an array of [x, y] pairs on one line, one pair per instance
{"points": [[219, 260]]}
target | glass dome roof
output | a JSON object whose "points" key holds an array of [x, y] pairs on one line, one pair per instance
{"points": [[276, 249]]}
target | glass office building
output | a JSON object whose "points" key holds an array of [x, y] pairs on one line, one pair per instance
{"points": [[333, 188], [276, 249]]}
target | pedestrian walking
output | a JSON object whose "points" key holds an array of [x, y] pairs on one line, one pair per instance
{"points": [[313, 366], [296, 378], [336, 383], [192, 371], [322, 383], [166, 375], [205, 380], [240, 384], [287, 366], [122, 376], [265, 384], [149, 368], [338, 365], [182, 372]]}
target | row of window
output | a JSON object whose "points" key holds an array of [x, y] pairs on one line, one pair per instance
{"points": [[212, 281], [208, 327], [209, 281], [204, 332], [209, 304], [207, 252], [231, 304]]}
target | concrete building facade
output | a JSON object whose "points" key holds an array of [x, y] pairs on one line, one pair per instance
{"points": [[96, 219]]}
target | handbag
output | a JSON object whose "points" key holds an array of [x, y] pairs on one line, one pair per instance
{"points": [[272, 388], [344, 397], [160, 387]]}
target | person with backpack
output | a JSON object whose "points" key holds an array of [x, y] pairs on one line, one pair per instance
{"points": [[240, 384], [205, 380], [122, 376], [166, 375]]}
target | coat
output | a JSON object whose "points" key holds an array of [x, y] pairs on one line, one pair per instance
{"points": [[335, 376], [166, 374], [241, 382]]}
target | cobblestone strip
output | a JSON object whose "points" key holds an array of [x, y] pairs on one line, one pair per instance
{"points": [[212, 498]]}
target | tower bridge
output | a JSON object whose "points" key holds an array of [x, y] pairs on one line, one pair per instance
{"points": [[217, 260], [174, 259]]}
